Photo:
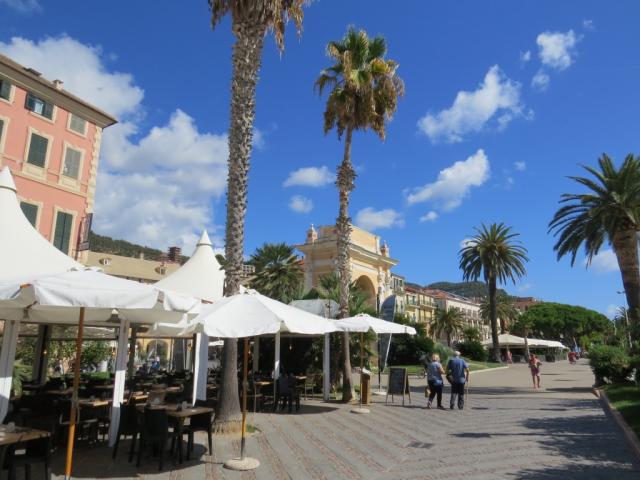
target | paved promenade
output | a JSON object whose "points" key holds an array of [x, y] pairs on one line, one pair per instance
{"points": [[507, 431]]}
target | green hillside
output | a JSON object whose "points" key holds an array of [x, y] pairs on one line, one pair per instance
{"points": [[103, 244], [464, 289]]}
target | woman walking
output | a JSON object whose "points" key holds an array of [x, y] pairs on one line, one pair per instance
{"points": [[434, 378], [534, 365]]}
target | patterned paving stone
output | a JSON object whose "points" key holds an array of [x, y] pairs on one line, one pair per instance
{"points": [[507, 431]]}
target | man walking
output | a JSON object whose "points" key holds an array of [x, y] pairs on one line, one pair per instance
{"points": [[458, 375]]}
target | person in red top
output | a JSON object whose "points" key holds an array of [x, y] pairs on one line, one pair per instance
{"points": [[534, 365]]}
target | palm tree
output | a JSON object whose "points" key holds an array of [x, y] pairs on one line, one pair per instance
{"points": [[250, 21], [495, 254], [448, 323], [505, 309], [609, 211], [279, 272], [364, 95]]}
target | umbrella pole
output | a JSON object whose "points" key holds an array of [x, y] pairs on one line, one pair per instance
{"points": [[245, 364], [74, 397], [243, 463]]}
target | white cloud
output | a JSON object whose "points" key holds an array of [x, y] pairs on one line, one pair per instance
{"points": [[310, 177], [520, 166], [429, 217], [556, 50], [466, 242], [453, 183], [613, 311], [604, 262], [587, 24], [496, 97], [371, 219], [23, 6], [540, 81], [525, 56], [155, 187], [300, 204]]}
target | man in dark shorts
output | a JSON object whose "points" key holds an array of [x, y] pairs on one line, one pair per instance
{"points": [[458, 374]]}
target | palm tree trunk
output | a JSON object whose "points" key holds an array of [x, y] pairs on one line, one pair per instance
{"points": [[527, 354], [493, 316], [345, 184], [247, 52], [448, 340], [625, 245]]}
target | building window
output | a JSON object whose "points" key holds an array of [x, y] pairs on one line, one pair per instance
{"points": [[38, 150], [72, 159], [39, 106], [5, 89], [1, 130], [62, 235], [77, 124], [30, 211]]}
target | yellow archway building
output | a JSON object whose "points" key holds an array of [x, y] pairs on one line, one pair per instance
{"points": [[369, 259]]}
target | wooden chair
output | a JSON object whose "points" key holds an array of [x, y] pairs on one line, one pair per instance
{"points": [[199, 423], [310, 385]]}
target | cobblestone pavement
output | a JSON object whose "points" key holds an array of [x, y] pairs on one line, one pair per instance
{"points": [[507, 431]]}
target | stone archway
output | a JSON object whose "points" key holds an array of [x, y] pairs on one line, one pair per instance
{"points": [[366, 285]]}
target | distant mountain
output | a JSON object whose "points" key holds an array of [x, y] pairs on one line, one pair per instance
{"points": [[465, 289], [104, 244]]}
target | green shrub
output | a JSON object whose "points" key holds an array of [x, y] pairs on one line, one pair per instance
{"points": [[443, 351], [473, 350], [610, 363]]}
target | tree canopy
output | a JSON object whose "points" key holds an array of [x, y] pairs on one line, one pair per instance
{"points": [[558, 321]]}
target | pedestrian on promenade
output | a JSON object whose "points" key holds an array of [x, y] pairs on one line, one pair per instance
{"points": [[534, 365], [434, 379], [458, 375]]}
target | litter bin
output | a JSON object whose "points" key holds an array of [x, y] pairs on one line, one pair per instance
{"points": [[366, 386]]}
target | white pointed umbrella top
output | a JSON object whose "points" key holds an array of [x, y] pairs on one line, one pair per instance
{"points": [[24, 253], [251, 314], [200, 277], [364, 323]]}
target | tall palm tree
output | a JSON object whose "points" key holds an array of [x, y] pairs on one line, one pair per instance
{"points": [[448, 323], [250, 21], [279, 272], [609, 211], [505, 309], [494, 254], [364, 95]]}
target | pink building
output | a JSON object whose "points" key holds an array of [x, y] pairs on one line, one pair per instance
{"points": [[50, 140]]}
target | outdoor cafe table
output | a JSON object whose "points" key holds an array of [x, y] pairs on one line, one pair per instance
{"points": [[9, 437], [180, 416]]}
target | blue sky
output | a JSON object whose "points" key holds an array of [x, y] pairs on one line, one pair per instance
{"points": [[549, 85]]}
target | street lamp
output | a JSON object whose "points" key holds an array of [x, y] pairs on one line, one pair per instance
{"points": [[626, 319]]}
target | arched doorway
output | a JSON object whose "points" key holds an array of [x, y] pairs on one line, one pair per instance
{"points": [[366, 285]]}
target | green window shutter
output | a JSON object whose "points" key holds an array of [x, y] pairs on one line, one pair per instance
{"points": [[37, 150], [5, 89], [30, 211], [47, 110], [1, 129], [62, 235], [71, 167]]}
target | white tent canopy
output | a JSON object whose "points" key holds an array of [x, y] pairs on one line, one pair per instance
{"points": [[508, 340], [201, 277], [364, 323], [251, 314], [38, 283], [25, 253], [318, 306]]}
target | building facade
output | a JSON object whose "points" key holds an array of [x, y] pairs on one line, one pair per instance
{"points": [[50, 140], [420, 307], [138, 269], [469, 308], [370, 261]]}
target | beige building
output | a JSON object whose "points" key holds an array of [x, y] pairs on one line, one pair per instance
{"points": [[138, 269], [470, 309], [370, 261], [420, 307]]}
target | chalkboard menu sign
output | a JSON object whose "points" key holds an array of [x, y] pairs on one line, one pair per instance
{"points": [[398, 384]]}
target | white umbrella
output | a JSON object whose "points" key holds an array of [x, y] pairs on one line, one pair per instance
{"points": [[363, 323], [38, 283], [250, 314]]}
